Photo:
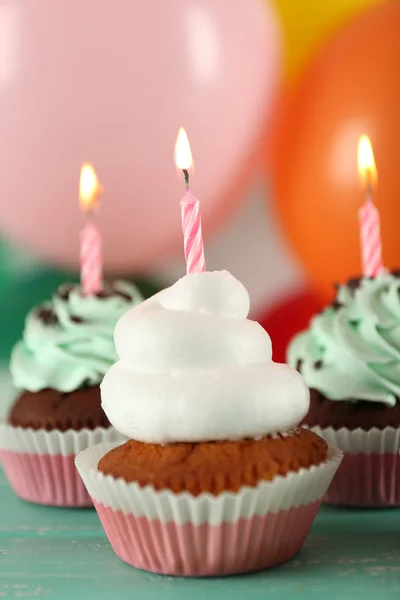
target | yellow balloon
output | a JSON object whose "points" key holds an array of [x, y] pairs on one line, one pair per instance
{"points": [[306, 23]]}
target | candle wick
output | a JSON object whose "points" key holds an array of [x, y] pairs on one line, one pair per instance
{"points": [[369, 192], [89, 214], [186, 175]]}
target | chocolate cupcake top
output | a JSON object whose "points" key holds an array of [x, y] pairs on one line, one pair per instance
{"points": [[68, 341], [192, 367], [352, 348]]}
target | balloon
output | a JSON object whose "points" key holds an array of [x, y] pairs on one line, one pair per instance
{"points": [[350, 89], [111, 83], [289, 316], [307, 23]]}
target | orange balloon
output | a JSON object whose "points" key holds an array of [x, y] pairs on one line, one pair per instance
{"points": [[352, 87]]}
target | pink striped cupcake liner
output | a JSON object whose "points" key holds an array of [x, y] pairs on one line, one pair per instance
{"points": [[179, 534], [369, 475], [40, 465]]}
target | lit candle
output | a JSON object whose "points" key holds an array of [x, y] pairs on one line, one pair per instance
{"points": [[371, 246], [90, 191], [190, 210]]}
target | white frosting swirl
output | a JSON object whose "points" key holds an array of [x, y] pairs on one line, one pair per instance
{"points": [[193, 368]]}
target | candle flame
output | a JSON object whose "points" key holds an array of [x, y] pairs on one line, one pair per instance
{"points": [[183, 154], [90, 189], [366, 162]]}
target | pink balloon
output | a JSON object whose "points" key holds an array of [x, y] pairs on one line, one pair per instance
{"points": [[110, 83]]}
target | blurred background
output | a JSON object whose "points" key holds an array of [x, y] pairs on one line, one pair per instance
{"points": [[273, 94]]}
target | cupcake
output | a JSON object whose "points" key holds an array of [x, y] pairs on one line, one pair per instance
{"points": [[350, 359], [66, 349], [214, 452]]}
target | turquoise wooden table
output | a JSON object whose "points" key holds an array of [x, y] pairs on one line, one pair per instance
{"points": [[64, 555]]}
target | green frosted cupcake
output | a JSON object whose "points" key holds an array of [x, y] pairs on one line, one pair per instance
{"points": [[66, 348], [350, 359]]}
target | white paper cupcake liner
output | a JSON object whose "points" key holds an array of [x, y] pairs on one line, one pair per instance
{"points": [[282, 493], [30, 441], [374, 441], [39, 465], [179, 534], [369, 475]]}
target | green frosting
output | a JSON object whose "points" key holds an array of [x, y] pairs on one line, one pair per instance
{"points": [[69, 341], [351, 350]]}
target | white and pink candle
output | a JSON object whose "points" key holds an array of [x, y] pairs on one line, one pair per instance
{"points": [[90, 191], [190, 210], [369, 219]]}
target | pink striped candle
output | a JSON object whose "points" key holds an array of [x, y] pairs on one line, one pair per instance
{"points": [[190, 210], [371, 245], [91, 260], [192, 234], [91, 256]]}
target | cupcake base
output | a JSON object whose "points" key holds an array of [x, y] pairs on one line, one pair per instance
{"points": [[245, 546], [214, 467], [45, 479], [369, 475], [40, 465], [181, 534], [366, 480]]}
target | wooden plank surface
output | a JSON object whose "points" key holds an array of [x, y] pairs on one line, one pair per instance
{"points": [[63, 554]]}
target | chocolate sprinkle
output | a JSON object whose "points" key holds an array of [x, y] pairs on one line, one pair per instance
{"points": [[123, 295], [299, 364], [47, 316], [103, 293], [336, 305], [84, 385], [354, 283], [318, 365], [76, 319], [110, 291], [64, 291]]}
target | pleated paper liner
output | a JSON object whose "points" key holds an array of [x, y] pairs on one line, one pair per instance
{"points": [[40, 465], [179, 534], [369, 475]]}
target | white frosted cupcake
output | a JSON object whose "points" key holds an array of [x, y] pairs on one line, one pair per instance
{"points": [[214, 453]]}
